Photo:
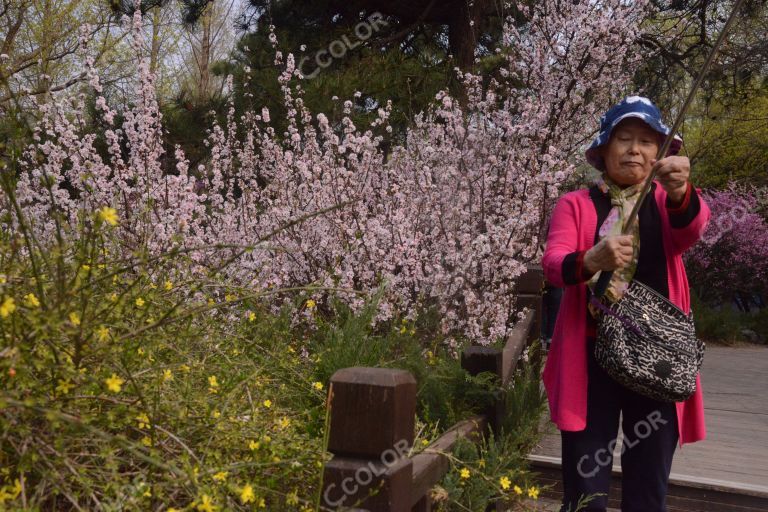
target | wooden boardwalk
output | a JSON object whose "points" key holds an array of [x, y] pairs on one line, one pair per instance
{"points": [[734, 456]]}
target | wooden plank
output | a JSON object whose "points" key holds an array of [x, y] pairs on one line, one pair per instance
{"points": [[516, 341], [431, 465], [734, 381]]}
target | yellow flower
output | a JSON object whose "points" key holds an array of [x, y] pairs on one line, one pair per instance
{"points": [[229, 297], [102, 333], [206, 504], [262, 503], [403, 330], [113, 297], [167, 375], [424, 442], [31, 301], [464, 473], [481, 463], [146, 441], [267, 403], [292, 498], [114, 383], [284, 422], [86, 268], [221, 476], [533, 492], [185, 368], [143, 420], [246, 494], [140, 351], [505, 482], [216, 414], [168, 285], [213, 384], [64, 386], [147, 493], [318, 386], [254, 445], [311, 304], [139, 302], [108, 215], [152, 286], [251, 316], [517, 489], [74, 318]]}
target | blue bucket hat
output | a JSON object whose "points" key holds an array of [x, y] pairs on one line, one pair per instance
{"points": [[631, 106]]}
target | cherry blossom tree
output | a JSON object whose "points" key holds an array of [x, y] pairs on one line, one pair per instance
{"points": [[449, 219]]}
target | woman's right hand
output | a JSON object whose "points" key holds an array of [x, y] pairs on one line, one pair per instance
{"points": [[610, 253]]}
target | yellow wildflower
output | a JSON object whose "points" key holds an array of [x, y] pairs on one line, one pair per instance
{"points": [[229, 297], [64, 386], [251, 316], [213, 384], [143, 420], [114, 383], [147, 493], [102, 333], [403, 330], [113, 297], [311, 304], [206, 504], [216, 413], [167, 375], [481, 463], [140, 351], [464, 473], [284, 422], [108, 215], [318, 386], [246, 494], [86, 268], [517, 489], [74, 318], [267, 403], [139, 302], [221, 476], [505, 482], [292, 498], [185, 368], [254, 445], [168, 285], [146, 441], [31, 301], [533, 492]]}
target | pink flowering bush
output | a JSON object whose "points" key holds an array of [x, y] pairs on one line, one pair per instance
{"points": [[732, 255], [450, 220]]}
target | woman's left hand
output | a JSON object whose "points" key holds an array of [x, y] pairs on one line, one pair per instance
{"points": [[673, 173]]}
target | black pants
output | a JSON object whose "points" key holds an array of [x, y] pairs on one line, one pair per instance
{"points": [[650, 439]]}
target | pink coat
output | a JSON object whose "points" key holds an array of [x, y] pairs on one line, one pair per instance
{"points": [[572, 229]]}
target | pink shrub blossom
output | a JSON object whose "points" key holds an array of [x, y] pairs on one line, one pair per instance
{"points": [[450, 219]]}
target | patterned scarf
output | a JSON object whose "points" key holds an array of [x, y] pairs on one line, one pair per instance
{"points": [[622, 202]]}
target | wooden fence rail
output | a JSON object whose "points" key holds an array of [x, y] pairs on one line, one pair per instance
{"points": [[372, 421]]}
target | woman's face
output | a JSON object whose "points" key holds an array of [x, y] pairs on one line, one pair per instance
{"points": [[629, 152]]}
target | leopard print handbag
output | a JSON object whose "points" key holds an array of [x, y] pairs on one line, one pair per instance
{"points": [[648, 344]]}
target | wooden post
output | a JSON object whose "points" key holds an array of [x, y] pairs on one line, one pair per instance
{"points": [[371, 431], [476, 359]]}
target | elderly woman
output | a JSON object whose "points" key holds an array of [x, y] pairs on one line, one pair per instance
{"points": [[585, 239]]}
